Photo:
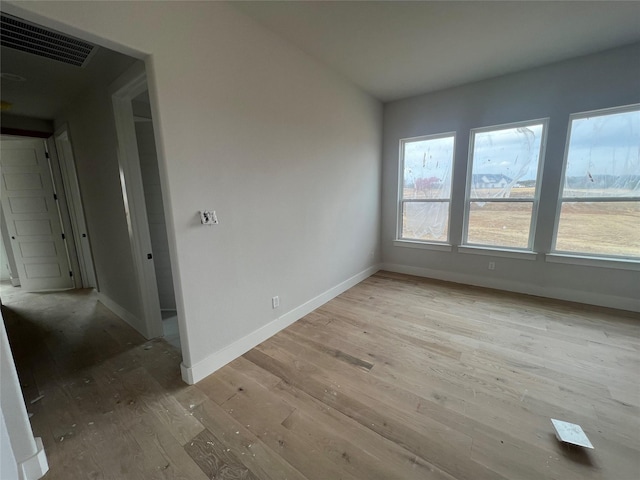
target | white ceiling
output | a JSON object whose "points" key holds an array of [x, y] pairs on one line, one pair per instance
{"points": [[397, 49]]}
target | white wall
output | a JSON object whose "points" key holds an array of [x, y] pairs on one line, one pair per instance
{"points": [[284, 150], [598, 81], [8, 462], [23, 453]]}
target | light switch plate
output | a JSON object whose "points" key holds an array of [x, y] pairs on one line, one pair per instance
{"points": [[208, 217]]}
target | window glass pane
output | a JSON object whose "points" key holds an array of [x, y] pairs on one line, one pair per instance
{"points": [[605, 228], [505, 162], [603, 159], [427, 168], [501, 224], [427, 221]]}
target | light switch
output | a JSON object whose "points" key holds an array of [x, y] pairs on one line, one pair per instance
{"points": [[208, 217]]}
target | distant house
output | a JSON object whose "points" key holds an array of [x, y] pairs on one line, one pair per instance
{"points": [[485, 180]]}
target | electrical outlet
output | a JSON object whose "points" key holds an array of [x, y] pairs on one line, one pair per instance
{"points": [[208, 217], [275, 302], [492, 265]]}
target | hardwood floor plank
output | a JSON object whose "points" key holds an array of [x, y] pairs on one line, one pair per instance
{"points": [[266, 463], [215, 460]]}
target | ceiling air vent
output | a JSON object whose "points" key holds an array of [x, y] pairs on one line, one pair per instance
{"points": [[30, 38]]}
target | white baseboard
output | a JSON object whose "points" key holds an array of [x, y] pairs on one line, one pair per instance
{"points": [[589, 298], [219, 359], [120, 311], [35, 466]]}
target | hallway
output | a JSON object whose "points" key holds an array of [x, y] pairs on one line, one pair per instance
{"points": [[101, 396]]}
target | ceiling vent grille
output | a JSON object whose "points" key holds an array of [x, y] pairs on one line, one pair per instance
{"points": [[30, 38]]}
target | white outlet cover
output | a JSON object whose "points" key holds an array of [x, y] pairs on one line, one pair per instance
{"points": [[571, 433]]}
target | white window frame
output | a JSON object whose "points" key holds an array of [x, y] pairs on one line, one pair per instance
{"points": [[413, 242], [535, 200], [555, 253]]}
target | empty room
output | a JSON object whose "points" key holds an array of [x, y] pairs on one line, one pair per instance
{"points": [[320, 240]]}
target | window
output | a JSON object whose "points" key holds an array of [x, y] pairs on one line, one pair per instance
{"points": [[425, 187], [502, 184], [599, 208]]}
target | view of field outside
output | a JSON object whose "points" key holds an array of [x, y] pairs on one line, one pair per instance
{"points": [[428, 165], [600, 228], [503, 224], [504, 165], [603, 163]]}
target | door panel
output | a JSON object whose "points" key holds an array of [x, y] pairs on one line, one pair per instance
{"points": [[28, 205], [76, 212], [32, 216]]}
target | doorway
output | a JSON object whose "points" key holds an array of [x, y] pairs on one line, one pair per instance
{"points": [[150, 172], [142, 192]]}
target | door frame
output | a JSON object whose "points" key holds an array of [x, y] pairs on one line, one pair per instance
{"points": [[71, 188], [131, 84]]}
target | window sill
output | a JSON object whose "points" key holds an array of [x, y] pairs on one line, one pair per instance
{"points": [[442, 247], [601, 262], [498, 252]]}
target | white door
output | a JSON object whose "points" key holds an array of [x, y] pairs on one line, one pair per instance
{"points": [[74, 200], [32, 216]]}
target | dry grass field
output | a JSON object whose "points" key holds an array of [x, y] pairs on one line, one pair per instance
{"points": [[612, 228], [598, 228]]}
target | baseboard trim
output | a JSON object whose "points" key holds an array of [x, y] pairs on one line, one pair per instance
{"points": [[219, 359], [589, 298], [120, 311], [35, 466]]}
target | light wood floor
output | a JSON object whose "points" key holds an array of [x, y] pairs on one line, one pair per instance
{"points": [[397, 378]]}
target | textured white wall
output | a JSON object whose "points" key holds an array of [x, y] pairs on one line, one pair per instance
{"points": [[286, 151], [587, 83]]}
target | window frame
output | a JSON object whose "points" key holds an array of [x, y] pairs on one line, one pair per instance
{"points": [[535, 200], [560, 199], [402, 201]]}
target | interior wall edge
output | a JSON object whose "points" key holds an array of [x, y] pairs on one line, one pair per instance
{"points": [[122, 312]]}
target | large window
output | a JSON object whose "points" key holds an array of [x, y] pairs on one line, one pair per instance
{"points": [[503, 183], [425, 187], [599, 211]]}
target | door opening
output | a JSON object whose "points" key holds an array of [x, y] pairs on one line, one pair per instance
{"points": [[140, 179], [150, 172]]}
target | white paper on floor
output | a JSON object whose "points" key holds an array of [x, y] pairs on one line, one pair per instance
{"points": [[571, 433]]}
